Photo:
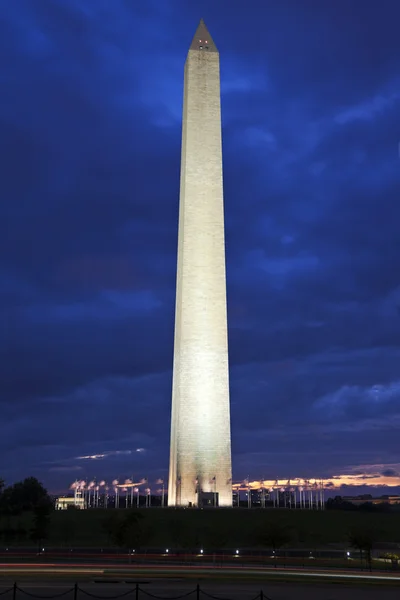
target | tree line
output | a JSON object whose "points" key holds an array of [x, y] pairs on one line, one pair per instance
{"points": [[339, 503], [27, 496]]}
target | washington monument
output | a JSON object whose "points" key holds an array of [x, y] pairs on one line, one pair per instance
{"points": [[200, 456]]}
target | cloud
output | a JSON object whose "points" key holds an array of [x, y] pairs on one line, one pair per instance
{"points": [[390, 473], [368, 110], [239, 79], [110, 453], [109, 304], [372, 400], [65, 469], [90, 134]]}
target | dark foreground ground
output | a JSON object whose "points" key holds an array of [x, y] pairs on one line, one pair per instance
{"points": [[168, 589], [223, 528]]}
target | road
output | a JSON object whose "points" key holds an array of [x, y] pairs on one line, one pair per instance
{"points": [[209, 590], [85, 570], [116, 559]]}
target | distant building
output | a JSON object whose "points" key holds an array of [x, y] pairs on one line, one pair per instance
{"points": [[368, 498], [65, 502]]}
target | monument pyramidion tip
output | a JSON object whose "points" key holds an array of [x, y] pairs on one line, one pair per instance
{"points": [[202, 39]]}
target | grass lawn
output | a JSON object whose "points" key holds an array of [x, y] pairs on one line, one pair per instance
{"points": [[228, 528]]}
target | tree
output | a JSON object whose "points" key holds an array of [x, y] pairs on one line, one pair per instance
{"points": [[132, 532], [41, 521], [363, 540], [337, 503], [10, 505], [31, 493], [110, 525], [275, 535], [26, 495], [23, 496], [67, 525]]}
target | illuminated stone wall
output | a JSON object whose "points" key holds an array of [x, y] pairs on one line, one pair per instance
{"points": [[200, 427]]}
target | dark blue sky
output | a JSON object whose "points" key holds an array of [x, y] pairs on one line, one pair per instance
{"points": [[90, 127]]}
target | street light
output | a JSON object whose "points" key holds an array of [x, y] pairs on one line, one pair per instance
{"points": [[201, 551]]}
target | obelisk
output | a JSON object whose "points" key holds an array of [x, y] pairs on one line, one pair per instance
{"points": [[200, 455]]}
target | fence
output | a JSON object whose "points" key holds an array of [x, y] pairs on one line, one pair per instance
{"points": [[76, 591]]}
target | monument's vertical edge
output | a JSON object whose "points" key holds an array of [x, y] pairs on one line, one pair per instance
{"points": [[200, 456]]}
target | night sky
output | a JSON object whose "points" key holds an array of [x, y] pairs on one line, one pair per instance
{"points": [[90, 133]]}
